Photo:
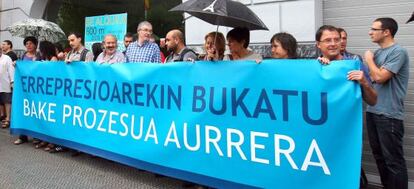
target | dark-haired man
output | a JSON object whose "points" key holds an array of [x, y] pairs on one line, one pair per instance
{"points": [[128, 39], [328, 40], [344, 40], [78, 52], [389, 69], [7, 48]]}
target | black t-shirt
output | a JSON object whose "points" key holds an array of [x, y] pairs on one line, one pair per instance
{"points": [[12, 55]]}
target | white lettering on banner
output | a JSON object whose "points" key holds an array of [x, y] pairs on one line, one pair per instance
{"points": [[322, 163], [90, 117], [112, 121], [262, 147], [141, 125], [37, 110], [285, 152], [172, 131], [236, 145], [214, 140], [151, 132], [103, 113], [254, 146], [186, 138], [124, 125], [85, 118]]}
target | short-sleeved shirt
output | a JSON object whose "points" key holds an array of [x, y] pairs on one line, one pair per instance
{"points": [[391, 94], [12, 55], [189, 55], [146, 52], [6, 74], [117, 57]]}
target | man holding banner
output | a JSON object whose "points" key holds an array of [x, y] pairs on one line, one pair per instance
{"points": [[328, 40], [78, 52], [110, 54]]}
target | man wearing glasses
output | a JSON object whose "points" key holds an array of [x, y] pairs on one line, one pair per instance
{"points": [[142, 50], [389, 69], [328, 40]]}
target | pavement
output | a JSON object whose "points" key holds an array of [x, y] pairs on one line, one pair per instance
{"points": [[23, 166]]}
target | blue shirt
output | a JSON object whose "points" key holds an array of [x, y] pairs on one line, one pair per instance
{"points": [[391, 94], [147, 52], [34, 58], [350, 56]]}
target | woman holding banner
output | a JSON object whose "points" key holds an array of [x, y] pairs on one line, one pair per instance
{"points": [[31, 54], [284, 46], [214, 46]]}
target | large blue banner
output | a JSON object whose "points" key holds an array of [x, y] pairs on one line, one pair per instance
{"points": [[278, 124]]}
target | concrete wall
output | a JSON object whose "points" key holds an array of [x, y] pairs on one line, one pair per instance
{"points": [[33, 8]]}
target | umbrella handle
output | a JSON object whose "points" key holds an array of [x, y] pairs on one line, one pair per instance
{"points": [[215, 36], [186, 19]]}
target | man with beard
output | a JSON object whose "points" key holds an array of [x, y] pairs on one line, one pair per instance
{"points": [[110, 54], [176, 46]]}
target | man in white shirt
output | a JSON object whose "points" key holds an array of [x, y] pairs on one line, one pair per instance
{"points": [[6, 85]]}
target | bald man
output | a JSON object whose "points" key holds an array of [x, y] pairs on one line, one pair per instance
{"points": [[176, 47]]}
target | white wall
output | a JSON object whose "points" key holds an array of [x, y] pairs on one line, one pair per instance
{"points": [[301, 18], [34, 8]]}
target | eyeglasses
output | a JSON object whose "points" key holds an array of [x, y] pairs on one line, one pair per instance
{"points": [[376, 29], [146, 30], [332, 40]]}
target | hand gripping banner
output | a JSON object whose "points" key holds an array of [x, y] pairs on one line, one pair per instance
{"points": [[277, 124]]}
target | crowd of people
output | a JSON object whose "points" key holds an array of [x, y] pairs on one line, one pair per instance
{"points": [[383, 79]]}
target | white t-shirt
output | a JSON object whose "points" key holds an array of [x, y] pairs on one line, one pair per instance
{"points": [[6, 73]]}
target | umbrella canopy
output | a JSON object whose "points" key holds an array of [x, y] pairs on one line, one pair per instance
{"points": [[411, 19], [39, 28], [222, 12]]}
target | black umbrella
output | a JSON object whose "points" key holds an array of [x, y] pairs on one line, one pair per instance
{"points": [[411, 19], [222, 12]]}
